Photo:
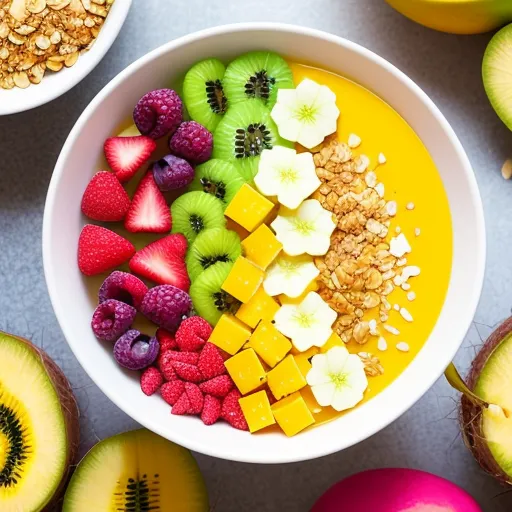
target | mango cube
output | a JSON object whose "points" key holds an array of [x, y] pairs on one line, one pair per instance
{"points": [[257, 412], [230, 334], [303, 360], [246, 371], [262, 246], [292, 414], [285, 378], [333, 341], [269, 343], [261, 306], [248, 208], [243, 280]]}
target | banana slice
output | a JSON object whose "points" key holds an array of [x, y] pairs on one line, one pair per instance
{"points": [[288, 175]]}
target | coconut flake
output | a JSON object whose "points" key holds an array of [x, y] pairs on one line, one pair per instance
{"points": [[371, 179], [379, 188], [381, 159], [402, 346], [382, 344], [391, 208], [411, 296], [399, 246], [392, 330], [406, 315], [354, 140]]}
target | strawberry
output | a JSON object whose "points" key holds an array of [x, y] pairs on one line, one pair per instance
{"points": [[211, 410], [100, 249], [172, 391], [163, 262], [232, 412], [126, 155], [218, 386], [151, 380], [148, 212], [210, 362], [105, 199], [195, 398]]}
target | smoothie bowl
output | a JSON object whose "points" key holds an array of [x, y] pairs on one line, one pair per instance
{"points": [[280, 242]]}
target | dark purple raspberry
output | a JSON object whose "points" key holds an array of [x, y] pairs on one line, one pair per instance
{"points": [[111, 319], [136, 351], [158, 113], [192, 141], [166, 306], [172, 172], [123, 287]]}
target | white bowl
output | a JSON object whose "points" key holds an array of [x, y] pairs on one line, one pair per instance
{"points": [[63, 222], [54, 85]]}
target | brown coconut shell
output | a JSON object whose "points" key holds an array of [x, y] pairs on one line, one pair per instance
{"points": [[70, 412], [471, 414]]}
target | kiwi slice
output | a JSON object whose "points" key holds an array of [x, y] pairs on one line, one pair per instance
{"points": [[39, 431], [203, 92], [137, 471], [257, 75], [244, 132], [195, 211], [219, 178], [209, 300], [211, 246]]}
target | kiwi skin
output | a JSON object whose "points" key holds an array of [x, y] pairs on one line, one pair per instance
{"points": [[470, 416]]}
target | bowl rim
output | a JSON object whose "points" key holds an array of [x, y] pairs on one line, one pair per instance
{"points": [[444, 359], [67, 81]]}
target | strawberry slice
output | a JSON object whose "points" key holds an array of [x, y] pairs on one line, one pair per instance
{"points": [[126, 155], [163, 262], [148, 212]]}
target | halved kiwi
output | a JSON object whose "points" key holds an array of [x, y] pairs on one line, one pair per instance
{"points": [[203, 92], [244, 132], [208, 298], [39, 431], [137, 471], [257, 76], [195, 211]]}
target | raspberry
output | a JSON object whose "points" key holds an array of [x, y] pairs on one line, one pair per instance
{"points": [[151, 380], [232, 412], [172, 172], [165, 305], [166, 340], [135, 351], [111, 319], [187, 372], [211, 363], [211, 410], [195, 398], [158, 113], [218, 386], [192, 141], [171, 391], [182, 357], [182, 406], [123, 287], [193, 333]]}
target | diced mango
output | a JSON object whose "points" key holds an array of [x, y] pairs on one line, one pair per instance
{"points": [[246, 371], [292, 414], [230, 334], [303, 360], [243, 280], [269, 343], [248, 208], [257, 412], [333, 341], [311, 287], [285, 378], [261, 306], [262, 246], [239, 230]]}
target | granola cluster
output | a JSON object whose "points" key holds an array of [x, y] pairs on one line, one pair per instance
{"points": [[40, 35]]}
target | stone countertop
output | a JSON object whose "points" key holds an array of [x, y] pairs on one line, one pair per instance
{"points": [[447, 67]]}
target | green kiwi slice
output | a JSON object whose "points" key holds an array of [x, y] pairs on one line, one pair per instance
{"points": [[210, 247], [219, 178], [257, 75], [203, 92], [195, 211], [208, 298], [244, 132]]}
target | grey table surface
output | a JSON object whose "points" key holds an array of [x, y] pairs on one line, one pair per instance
{"points": [[447, 67]]}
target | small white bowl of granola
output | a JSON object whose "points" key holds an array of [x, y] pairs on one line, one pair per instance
{"points": [[48, 46]]}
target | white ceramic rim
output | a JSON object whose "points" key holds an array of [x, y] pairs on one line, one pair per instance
{"points": [[408, 396], [34, 96]]}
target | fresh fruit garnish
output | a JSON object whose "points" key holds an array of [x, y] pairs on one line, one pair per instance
{"points": [[256, 410], [270, 345], [288, 175], [166, 339], [285, 378], [337, 378], [172, 391], [306, 114], [292, 414], [246, 371], [186, 371], [151, 380], [163, 261], [203, 92], [261, 246], [148, 212], [172, 172], [307, 324], [211, 410], [105, 199], [305, 230], [256, 75], [211, 362], [290, 275], [230, 334], [130, 131], [158, 113], [231, 411], [244, 280], [123, 287], [193, 333], [219, 386], [100, 249], [192, 141], [135, 351], [260, 307], [111, 319], [126, 155]]}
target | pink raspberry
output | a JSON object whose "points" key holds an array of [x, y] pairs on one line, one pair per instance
{"points": [[111, 319], [218, 386], [172, 391], [187, 372], [123, 287], [211, 363], [158, 113], [166, 340], [172, 172], [151, 380], [195, 398], [193, 333], [182, 357], [232, 412], [192, 141], [211, 410]]}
